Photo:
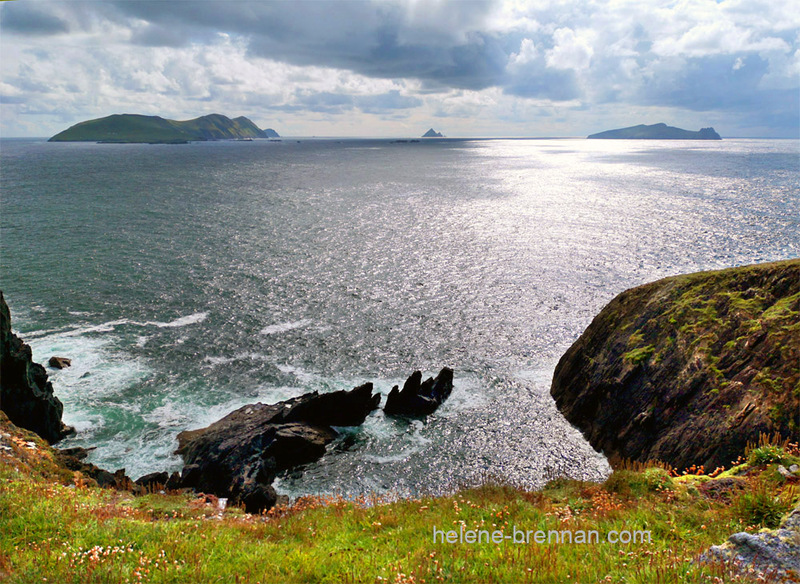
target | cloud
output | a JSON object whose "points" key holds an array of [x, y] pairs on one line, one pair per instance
{"points": [[25, 19], [569, 51], [402, 59]]}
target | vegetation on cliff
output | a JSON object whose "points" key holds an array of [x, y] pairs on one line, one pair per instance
{"points": [[57, 526], [134, 128], [689, 369]]}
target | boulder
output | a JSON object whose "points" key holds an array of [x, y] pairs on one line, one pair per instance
{"points": [[419, 398], [153, 480], [240, 455], [775, 554], [26, 395], [59, 362]]}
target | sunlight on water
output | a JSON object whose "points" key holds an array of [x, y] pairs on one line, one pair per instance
{"points": [[191, 280]]}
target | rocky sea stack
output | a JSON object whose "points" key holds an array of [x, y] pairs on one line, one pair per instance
{"points": [[689, 369], [26, 395], [240, 455]]}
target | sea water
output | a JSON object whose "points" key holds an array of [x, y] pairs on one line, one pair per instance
{"points": [[185, 281]]}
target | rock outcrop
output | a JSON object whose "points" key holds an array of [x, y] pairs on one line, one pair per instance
{"points": [[689, 369], [26, 396], [432, 134], [773, 553], [419, 398], [240, 455]]}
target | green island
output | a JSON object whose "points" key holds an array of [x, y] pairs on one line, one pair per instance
{"points": [[135, 128], [729, 338], [656, 132]]}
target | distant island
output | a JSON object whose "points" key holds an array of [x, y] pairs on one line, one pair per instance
{"points": [[657, 132], [134, 128], [432, 134]]}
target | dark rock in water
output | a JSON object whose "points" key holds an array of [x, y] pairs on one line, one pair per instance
{"points": [[76, 452], [59, 362], [152, 480], [26, 395], [772, 553], [432, 134], [240, 455], [338, 408], [689, 369], [418, 398]]}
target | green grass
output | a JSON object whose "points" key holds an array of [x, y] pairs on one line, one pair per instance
{"points": [[77, 533]]}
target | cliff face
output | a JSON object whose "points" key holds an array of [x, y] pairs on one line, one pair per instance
{"points": [[688, 369], [26, 396]]}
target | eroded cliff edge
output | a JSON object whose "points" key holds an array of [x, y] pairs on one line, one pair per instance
{"points": [[690, 368], [26, 395]]}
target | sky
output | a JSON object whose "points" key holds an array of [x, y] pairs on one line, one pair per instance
{"points": [[394, 68]]}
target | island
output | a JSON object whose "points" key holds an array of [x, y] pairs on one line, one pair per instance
{"points": [[135, 128], [656, 132], [432, 134]]}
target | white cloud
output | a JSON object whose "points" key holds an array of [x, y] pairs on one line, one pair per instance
{"points": [[527, 54], [570, 51], [402, 61]]}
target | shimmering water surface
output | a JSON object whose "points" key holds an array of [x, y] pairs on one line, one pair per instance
{"points": [[187, 280]]}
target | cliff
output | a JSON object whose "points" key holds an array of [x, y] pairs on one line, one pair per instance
{"points": [[134, 128], [689, 369], [26, 395], [657, 132]]}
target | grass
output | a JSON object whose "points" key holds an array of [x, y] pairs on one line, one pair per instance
{"points": [[78, 533]]}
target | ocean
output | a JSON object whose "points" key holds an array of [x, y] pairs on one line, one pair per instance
{"points": [[187, 280]]}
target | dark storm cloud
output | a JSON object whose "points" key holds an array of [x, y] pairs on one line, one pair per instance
{"points": [[26, 19], [377, 39]]}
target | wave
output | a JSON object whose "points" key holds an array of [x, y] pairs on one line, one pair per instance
{"points": [[284, 326]]}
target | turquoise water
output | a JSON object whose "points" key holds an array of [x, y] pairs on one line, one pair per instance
{"points": [[187, 280]]}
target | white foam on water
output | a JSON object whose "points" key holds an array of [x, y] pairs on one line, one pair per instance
{"points": [[283, 327], [96, 370], [107, 327], [216, 361], [169, 415], [182, 321]]}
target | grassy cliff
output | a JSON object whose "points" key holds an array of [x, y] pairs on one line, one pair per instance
{"points": [[57, 526], [689, 369]]}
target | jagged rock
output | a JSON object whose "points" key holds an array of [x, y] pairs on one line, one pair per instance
{"points": [[240, 455], [72, 459], [59, 362], [26, 395], [688, 369], [774, 553], [418, 398], [153, 480]]}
